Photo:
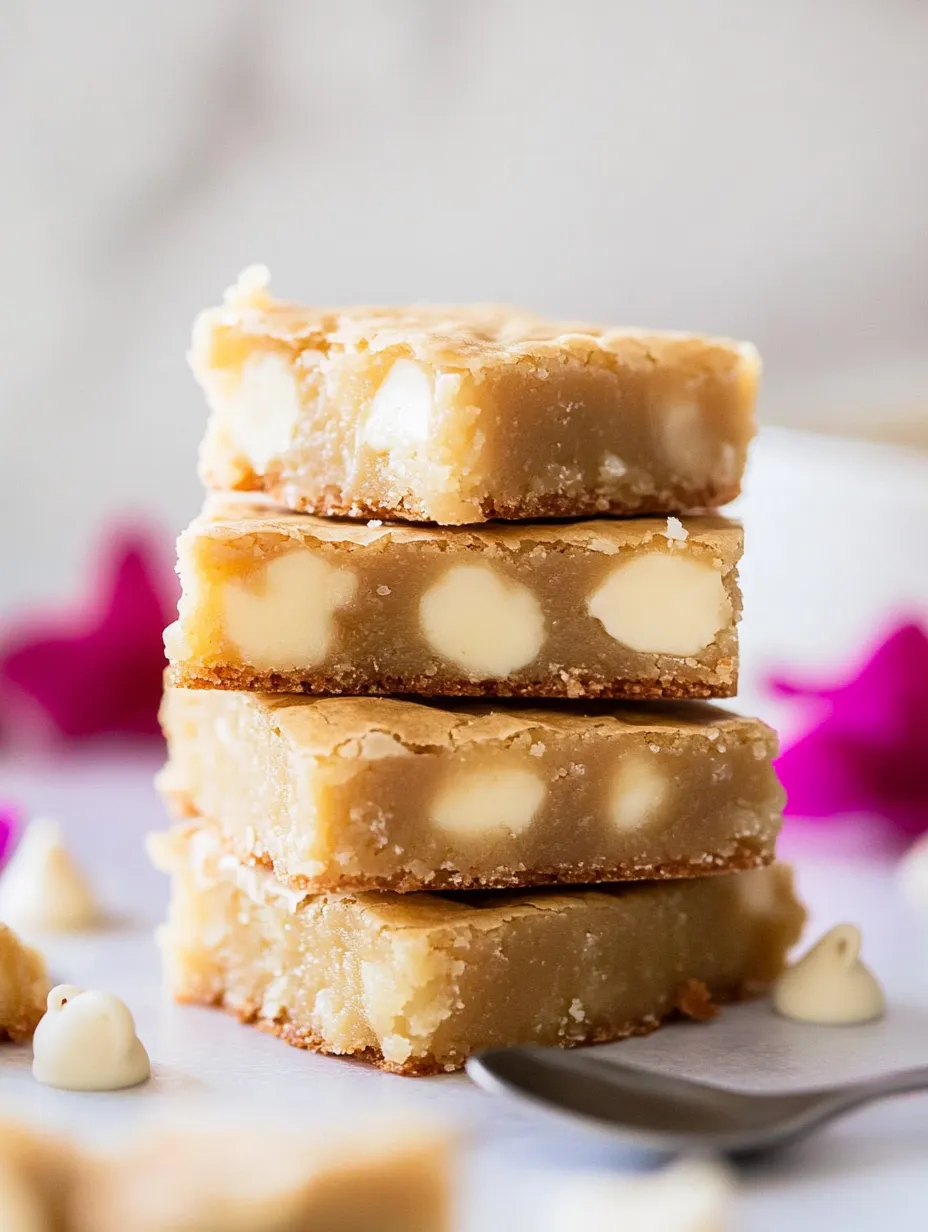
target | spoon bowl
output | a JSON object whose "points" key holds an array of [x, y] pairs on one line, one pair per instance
{"points": [[666, 1113]]}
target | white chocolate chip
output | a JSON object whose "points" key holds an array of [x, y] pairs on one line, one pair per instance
{"points": [[401, 411], [695, 1195], [727, 464], [481, 622], [830, 984], [662, 604], [684, 439], [284, 619], [42, 889], [263, 410], [639, 794], [87, 1042], [502, 799], [611, 468]]}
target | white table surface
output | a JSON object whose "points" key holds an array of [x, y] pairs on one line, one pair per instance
{"points": [[861, 1174]]}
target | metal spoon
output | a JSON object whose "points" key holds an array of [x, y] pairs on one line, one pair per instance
{"points": [[673, 1114]]}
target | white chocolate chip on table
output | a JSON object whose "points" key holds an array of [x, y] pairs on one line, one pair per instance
{"points": [[830, 985], [87, 1042], [693, 1195], [42, 889]]}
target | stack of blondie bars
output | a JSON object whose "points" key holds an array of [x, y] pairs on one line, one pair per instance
{"points": [[439, 778]]}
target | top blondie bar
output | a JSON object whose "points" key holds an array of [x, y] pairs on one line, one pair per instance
{"points": [[462, 415]]}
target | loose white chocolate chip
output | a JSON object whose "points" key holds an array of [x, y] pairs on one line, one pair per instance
{"points": [[690, 1196], [830, 985], [401, 410], [285, 618], [481, 622], [264, 408], [639, 794], [87, 1042], [662, 604], [503, 799], [42, 889]]}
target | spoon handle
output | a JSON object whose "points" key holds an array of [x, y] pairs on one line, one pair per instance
{"points": [[904, 1082]]}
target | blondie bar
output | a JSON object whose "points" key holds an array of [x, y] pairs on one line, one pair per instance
{"points": [[456, 415], [375, 793], [417, 982], [24, 986], [392, 1178], [605, 608]]}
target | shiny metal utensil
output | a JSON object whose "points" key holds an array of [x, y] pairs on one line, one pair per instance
{"points": [[673, 1114]]}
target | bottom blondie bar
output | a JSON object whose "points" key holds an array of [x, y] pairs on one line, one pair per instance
{"points": [[415, 983], [24, 985]]}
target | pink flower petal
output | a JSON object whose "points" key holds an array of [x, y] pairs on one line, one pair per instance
{"points": [[869, 751], [99, 672], [9, 825]]}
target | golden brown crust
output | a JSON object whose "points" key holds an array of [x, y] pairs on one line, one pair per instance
{"points": [[720, 683], [334, 503], [423, 1067]]}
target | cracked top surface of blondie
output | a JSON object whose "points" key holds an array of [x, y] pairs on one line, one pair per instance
{"points": [[462, 335], [322, 726]]}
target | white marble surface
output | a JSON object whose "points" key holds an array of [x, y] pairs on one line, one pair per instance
{"points": [[734, 165], [859, 1175]]}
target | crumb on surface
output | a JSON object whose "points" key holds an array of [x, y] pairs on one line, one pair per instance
{"points": [[695, 1001]]}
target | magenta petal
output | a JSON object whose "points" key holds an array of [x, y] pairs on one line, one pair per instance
{"points": [[869, 754], [9, 824], [100, 672], [820, 777]]}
